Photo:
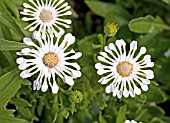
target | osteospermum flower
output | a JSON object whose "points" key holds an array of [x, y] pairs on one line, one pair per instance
{"points": [[126, 72], [132, 121], [46, 16], [49, 59]]}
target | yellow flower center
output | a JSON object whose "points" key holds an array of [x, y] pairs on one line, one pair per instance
{"points": [[46, 16], [125, 69], [50, 59]]}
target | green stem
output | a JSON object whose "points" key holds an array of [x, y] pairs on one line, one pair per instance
{"points": [[104, 40]]}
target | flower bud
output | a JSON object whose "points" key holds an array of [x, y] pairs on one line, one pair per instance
{"points": [[110, 29], [76, 96]]}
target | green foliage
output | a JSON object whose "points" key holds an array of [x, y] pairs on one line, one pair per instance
{"points": [[147, 24], [11, 45], [146, 21], [8, 20]]}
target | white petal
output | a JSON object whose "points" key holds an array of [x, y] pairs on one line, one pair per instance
{"points": [[71, 39], [146, 81], [132, 94], [38, 85], [115, 91], [55, 88], [77, 55], [26, 5], [103, 54], [147, 58], [127, 121], [76, 73], [34, 85], [142, 50], [28, 41], [120, 42], [144, 87], [24, 74], [20, 60], [132, 121], [98, 66], [119, 94], [36, 35], [125, 93], [137, 90], [108, 89], [23, 66], [149, 74], [133, 45], [112, 47], [100, 72], [44, 87], [150, 64], [69, 80], [25, 50]]}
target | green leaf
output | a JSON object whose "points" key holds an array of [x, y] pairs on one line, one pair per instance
{"points": [[20, 102], [166, 1], [12, 5], [151, 41], [102, 8], [118, 19], [6, 34], [10, 120], [25, 112], [7, 19], [11, 45], [40, 108], [157, 111], [147, 24], [155, 94], [6, 113], [162, 73], [101, 118], [121, 114], [9, 85]]}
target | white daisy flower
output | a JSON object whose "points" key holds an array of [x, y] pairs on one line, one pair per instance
{"points": [[46, 16], [49, 59], [132, 121], [126, 72]]}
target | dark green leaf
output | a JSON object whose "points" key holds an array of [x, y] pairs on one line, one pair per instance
{"points": [[11, 45], [20, 102], [6, 19], [162, 73], [102, 8], [155, 94]]}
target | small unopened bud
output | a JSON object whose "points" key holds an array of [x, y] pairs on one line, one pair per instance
{"points": [[110, 29], [64, 112], [76, 96]]}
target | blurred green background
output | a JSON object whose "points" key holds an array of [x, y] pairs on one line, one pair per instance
{"points": [[146, 21]]}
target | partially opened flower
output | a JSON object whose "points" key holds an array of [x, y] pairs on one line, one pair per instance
{"points": [[49, 59], [132, 121], [46, 16], [127, 73]]}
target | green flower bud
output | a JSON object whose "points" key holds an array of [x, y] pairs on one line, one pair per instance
{"points": [[64, 113], [76, 96], [111, 29]]}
